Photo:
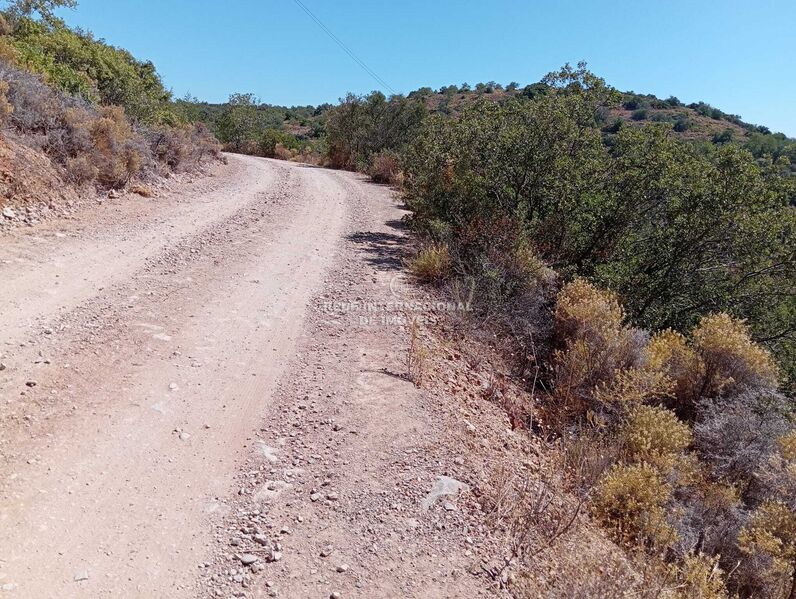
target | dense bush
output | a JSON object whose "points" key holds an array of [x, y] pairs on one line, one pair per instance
{"points": [[731, 359], [96, 145], [700, 577], [771, 535], [273, 138], [682, 124], [6, 107], [677, 232], [362, 126], [596, 345], [656, 436], [660, 483], [386, 168], [77, 63], [737, 437], [670, 353], [630, 501]]}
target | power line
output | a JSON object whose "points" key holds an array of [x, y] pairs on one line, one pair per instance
{"points": [[345, 48]]}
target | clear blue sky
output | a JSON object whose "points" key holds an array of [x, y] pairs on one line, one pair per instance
{"points": [[737, 55]]}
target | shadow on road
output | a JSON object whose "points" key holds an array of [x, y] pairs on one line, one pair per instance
{"points": [[386, 251]]}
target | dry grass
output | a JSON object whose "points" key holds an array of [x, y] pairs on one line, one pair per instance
{"points": [[431, 264], [386, 168], [415, 354]]}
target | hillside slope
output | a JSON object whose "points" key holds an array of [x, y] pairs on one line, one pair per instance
{"points": [[77, 115]]}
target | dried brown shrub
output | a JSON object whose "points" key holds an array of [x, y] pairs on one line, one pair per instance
{"points": [[732, 360], [386, 168], [597, 345], [5, 106], [629, 500]]}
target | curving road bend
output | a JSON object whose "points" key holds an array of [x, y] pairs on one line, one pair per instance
{"points": [[139, 347]]}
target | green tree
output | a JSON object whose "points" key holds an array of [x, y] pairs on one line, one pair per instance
{"points": [[238, 122], [362, 126], [17, 9], [677, 232]]}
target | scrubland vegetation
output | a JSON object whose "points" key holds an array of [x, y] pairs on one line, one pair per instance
{"points": [[102, 117], [647, 284], [638, 254]]}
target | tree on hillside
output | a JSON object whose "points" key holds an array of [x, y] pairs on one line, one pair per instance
{"points": [[44, 8]]}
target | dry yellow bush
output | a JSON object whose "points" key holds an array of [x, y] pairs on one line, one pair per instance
{"points": [[771, 532], [655, 435], [7, 50], [780, 472], [699, 577], [730, 356], [633, 386], [5, 26], [431, 264], [669, 352], [534, 267], [582, 308], [5, 106], [787, 446], [597, 346], [105, 145], [142, 190], [629, 501]]}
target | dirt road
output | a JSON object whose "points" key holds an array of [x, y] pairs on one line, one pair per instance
{"points": [[177, 379]]}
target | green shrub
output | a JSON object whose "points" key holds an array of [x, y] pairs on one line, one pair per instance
{"points": [[615, 126], [724, 137], [362, 126], [77, 63], [271, 138], [677, 232]]}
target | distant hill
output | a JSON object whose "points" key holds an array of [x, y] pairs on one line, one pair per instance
{"points": [[697, 122]]}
